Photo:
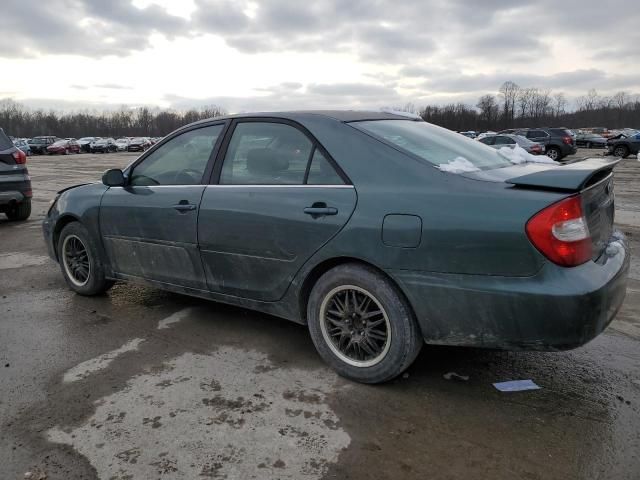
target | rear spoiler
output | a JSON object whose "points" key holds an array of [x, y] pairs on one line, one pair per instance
{"points": [[572, 177]]}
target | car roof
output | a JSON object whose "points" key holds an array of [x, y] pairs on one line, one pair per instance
{"points": [[339, 115]]}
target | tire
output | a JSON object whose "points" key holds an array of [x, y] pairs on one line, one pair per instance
{"points": [[554, 153], [19, 212], [395, 349], [95, 282], [621, 151]]}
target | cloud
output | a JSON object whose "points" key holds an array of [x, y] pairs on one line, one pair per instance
{"points": [[432, 50]]}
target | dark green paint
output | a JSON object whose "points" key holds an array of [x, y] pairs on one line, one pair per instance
{"points": [[470, 273]]}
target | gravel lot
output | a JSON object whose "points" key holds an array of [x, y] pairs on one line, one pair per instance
{"points": [[146, 384]]}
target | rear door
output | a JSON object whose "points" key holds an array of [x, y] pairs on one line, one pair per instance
{"points": [[276, 199], [149, 226]]}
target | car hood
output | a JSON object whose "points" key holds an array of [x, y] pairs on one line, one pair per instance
{"points": [[568, 177]]}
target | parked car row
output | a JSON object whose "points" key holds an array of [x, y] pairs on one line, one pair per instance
{"points": [[50, 144], [556, 143]]}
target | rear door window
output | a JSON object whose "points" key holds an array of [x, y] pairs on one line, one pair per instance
{"points": [[266, 153], [536, 134], [321, 172]]}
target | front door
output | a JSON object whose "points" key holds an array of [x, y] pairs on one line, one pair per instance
{"points": [[149, 227], [278, 200]]}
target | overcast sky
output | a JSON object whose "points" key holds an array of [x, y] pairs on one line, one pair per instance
{"points": [[283, 54]]}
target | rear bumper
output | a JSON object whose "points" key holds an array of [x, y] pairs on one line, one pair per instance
{"points": [[556, 309], [15, 191]]}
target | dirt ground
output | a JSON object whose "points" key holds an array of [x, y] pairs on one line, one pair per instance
{"points": [[144, 384]]}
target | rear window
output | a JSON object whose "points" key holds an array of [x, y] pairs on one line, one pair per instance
{"points": [[5, 142], [436, 145]]}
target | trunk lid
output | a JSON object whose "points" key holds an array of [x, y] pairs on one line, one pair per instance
{"points": [[591, 178]]}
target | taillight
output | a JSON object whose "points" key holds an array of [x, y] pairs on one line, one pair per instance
{"points": [[561, 233], [567, 140], [20, 157]]}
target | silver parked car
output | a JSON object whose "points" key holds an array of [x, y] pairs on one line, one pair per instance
{"points": [[510, 140]]}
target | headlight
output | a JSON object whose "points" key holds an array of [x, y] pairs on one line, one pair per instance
{"points": [[52, 203]]}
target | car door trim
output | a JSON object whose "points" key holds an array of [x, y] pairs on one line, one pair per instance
{"points": [[251, 185]]}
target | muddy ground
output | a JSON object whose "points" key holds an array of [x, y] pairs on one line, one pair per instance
{"points": [[143, 384]]}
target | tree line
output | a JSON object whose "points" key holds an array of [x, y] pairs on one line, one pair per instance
{"points": [[18, 121], [515, 106], [512, 106]]}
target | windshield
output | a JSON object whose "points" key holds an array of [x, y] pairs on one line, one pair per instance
{"points": [[60, 143], [436, 145]]}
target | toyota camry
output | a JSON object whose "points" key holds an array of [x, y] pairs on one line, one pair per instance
{"points": [[378, 231]]}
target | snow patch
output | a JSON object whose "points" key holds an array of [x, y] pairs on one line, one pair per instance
{"points": [[459, 165], [174, 318], [229, 414], [519, 155], [85, 369], [19, 260]]}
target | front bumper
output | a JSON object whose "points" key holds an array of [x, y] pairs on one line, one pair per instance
{"points": [[556, 309]]}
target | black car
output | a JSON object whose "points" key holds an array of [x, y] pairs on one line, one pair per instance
{"points": [[104, 145], [138, 145], [625, 144], [39, 144], [15, 185], [85, 143], [557, 142], [590, 140]]}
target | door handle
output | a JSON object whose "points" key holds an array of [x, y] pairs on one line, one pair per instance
{"points": [[184, 207], [319, 209]]}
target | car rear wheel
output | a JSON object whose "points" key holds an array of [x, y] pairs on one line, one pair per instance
{"points": [[80, 261], [621, 151], [21, 211], [361, 325], [554, 153]]}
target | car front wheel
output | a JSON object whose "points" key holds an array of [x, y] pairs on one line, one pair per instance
{"points": [[80, 261], [361, 325]]}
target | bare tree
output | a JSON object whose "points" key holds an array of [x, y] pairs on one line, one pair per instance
{"points": [[509, 93], [488, 107], [559, 104]]}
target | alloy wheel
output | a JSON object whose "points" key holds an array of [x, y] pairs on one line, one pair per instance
{"points": [[76, 261], [355, 326]]}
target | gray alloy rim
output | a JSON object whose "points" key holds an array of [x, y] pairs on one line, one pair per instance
{"points": [[355, 326], [619, 152], [76, 260], [552, 154]]}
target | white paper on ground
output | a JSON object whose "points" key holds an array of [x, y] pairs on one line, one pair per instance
{"points": [[516, 386]]}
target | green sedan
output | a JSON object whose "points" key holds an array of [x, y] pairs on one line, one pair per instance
{"points": [[378, 231]]}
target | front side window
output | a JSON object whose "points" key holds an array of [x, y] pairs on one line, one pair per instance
{"points": [[266, 153], [434, 144], [180, 161]]}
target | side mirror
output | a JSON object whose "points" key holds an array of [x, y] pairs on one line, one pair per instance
{"points": [[113, 178]]}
